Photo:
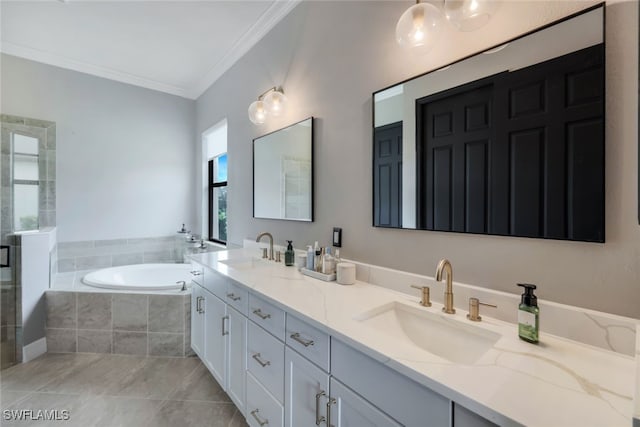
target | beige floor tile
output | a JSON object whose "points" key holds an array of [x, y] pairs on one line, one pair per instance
{"points": [[238, 420], [47, 402], [194, 414], [36, 374], [200, 386], [105, 411], [8, 398], [157, 378], [96, 378]]}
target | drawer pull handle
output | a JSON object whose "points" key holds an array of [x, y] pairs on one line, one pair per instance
{"points": [[329, 403], [319, 418], [260, 314], [233, 297], [261, 422], [257, 358], [196, 272], [224, 332], [302, 341], [199, 308]]}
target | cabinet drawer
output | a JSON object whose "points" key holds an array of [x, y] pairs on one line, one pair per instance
{"points": [[309, 341], [404, 399], [267, 315], [237, 296], [262, 408], [215, 283], [265, 360], [197, 273]]}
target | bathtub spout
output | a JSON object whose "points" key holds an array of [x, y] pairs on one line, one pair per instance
{"points": [[183, 283]]}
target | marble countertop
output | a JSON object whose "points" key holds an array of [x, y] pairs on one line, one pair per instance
{"points": [[555, 383]]}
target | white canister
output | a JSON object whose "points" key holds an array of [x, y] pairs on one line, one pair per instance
{"points": [[301, 260], [346, 273]]}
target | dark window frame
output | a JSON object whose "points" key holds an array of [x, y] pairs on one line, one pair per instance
{"points": [[212, 186]]}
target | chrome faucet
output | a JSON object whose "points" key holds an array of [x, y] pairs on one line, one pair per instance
{"points": [[260, 236], [445, 265]]}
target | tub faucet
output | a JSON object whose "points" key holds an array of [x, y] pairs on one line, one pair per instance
{"points": [[260, 236], [445, 265]]}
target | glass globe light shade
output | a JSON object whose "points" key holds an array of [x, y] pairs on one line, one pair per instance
{"points": [[275, 102], [257, 112], [469, 15], [418, 27]]}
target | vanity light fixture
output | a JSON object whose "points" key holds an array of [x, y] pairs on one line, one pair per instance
{"points": [[419, 26], [272, 102]]}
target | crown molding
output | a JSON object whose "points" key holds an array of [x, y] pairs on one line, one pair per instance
{"points": [[83, 67], [274, 14]]}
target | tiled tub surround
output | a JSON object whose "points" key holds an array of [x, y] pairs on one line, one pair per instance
{"points": [[119, 323], [559, 382], [95, 254]]}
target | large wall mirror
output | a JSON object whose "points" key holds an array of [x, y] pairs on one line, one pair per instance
{"points": [[283, 173], [507, 142]]}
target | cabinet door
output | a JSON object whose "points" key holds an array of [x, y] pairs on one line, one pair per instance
{"points": [[306, 390], [197, 320], [237, 358], [462, 417], [347, 409], [215, 341]]}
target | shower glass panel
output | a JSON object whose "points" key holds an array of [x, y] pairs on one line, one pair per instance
{"points": [[27, 202]]}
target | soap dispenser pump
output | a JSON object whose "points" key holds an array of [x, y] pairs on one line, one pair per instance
{"points": [[528, 314], [289, 254]]}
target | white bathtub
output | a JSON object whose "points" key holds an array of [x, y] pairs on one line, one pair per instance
{"points": [[140, 277]]}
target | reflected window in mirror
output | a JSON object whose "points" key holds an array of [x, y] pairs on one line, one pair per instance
{"points": [[283, 173], [506, 142]]}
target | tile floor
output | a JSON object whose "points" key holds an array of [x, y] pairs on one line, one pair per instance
{"points": [[116, 390]]}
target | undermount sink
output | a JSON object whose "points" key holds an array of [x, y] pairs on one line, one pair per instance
{"points": [[433, 332], [245, 263]]}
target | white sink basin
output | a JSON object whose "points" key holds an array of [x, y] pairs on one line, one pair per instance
{"points": [[245, 263], [433, 332]]}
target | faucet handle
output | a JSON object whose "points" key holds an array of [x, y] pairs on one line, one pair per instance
{"points": [[278, 256], [264, 253], [474, 309], [426, 300]]}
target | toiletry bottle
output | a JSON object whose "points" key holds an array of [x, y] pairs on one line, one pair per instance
{"points": [[328, 264], [528, 314], [289, 254], [311, 255], [316, 261]]}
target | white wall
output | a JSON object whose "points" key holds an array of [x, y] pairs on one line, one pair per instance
{"points": [[331, 56], [125, 157]]}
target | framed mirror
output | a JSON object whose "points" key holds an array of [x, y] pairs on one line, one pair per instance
{"points": [[283, 173], [509, 141]]}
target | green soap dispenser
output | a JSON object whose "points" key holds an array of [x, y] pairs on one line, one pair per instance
{"points": [[528, 314], [289, 254]]}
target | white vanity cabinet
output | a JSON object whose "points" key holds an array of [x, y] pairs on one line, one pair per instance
{"points": [[306, 391], [408, 402], [215, 341], [197, 320], [345, 409], [237, 366], [219, 332]]}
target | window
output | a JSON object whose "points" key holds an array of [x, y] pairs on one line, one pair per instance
{"points": [[26, 182], [218, 199]]}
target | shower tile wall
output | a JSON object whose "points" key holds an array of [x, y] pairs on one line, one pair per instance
{"points": [[94, 254], [139, 324]]}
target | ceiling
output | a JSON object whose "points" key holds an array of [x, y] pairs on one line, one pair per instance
{"points": [[177, 47]]}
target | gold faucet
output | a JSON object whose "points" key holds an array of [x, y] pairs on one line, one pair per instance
{"points": [[260, 236], [445, 265]]}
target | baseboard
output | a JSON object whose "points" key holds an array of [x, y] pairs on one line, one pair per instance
{"points": [[33, 350]]}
